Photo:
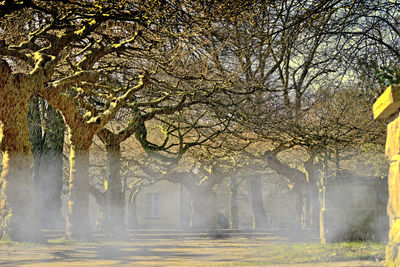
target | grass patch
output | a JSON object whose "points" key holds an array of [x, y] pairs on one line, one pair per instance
{"points": [[7, 243], [315, 252]]}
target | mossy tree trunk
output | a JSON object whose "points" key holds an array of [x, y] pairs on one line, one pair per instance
{"points": [[52, 170], [257, 203], [36, 139], [18, 214], [47, 148], [114, 216], [81, 136], [18, 220]]}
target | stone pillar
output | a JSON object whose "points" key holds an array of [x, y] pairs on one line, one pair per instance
{"points": [[387, 108]]}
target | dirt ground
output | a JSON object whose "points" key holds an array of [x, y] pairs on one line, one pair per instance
{"points": [[183, 251]]}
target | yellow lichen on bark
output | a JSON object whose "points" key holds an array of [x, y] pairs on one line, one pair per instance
{"points": [[17, 204], [18, 219], [77, 224]]}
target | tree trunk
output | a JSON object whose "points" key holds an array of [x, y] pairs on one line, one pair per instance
{"points": [[308, 207], [298, 195], [204, 209], [132, 211], [36, 139], [78, 225], [322, 213], [18, 219], [315, 208], [307, 210], [257, 203], [322, 199], [302, 207], [35, 136], [115, 198], [311, 204], [47, 149], [234, 204], [51, 170]]}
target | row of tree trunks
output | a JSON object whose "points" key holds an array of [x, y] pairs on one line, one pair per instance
{"points": [[111, 202], [78, 221], [81, 136], [204, 209], [307, 208], [304, 188], [47, 150]]}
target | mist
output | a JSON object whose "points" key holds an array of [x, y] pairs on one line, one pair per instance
{"points": [[165, 130], [355, 207]]}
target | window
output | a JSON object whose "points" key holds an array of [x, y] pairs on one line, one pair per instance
{"points": [[153, 205]]}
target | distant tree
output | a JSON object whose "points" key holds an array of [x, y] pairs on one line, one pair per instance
{"points": [[199, 180], [286, 74]]}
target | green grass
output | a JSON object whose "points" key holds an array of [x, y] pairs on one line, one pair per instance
{"points": [[246, 253], [315, 252], [7, 243]]}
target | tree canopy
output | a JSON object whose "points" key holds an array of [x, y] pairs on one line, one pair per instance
{"points": [[247, 79]]}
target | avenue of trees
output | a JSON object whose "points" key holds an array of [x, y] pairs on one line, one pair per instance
{"points": [[209, 91]]}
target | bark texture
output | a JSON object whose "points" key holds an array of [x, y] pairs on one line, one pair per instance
{"points": [[47, 148], [51, 172], [114, 210], [115, 197], [18, 220], [78, 224], [18, 216], [82, 129]]}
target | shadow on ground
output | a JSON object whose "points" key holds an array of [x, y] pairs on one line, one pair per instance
{"points": [[187, 250]]}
